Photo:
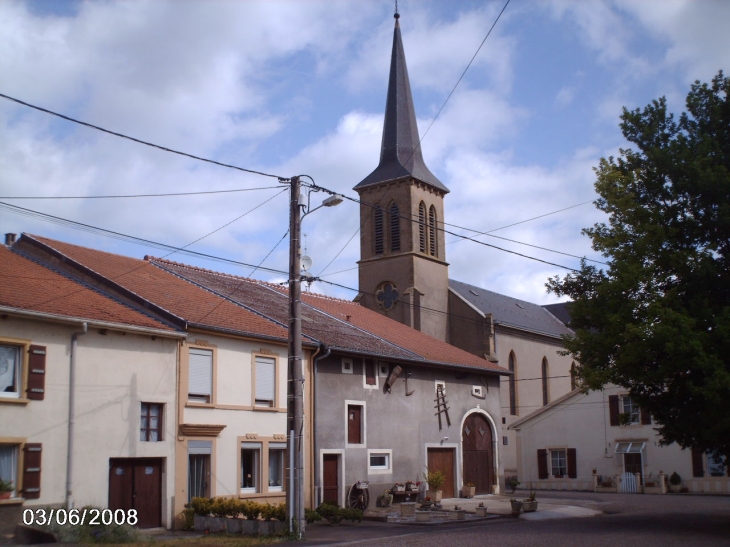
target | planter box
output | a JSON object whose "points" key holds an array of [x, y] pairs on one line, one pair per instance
{"points": [[238, 526], [481, 511], [435, 495], [529, 506], [468, 491], [423, 516], [407, 509], [399, 489], [516, 507], [459, 514]]}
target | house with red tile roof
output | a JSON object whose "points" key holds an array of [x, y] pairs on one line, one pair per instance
{"points": [[87, 396], [381, 399]]}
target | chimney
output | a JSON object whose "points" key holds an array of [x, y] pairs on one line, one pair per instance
{"points": [[10, 239]]}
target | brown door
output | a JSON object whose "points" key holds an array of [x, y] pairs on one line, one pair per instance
{"points": [[354, 424], [477, 451], [442, 459], [136, 483], [330, 490]]}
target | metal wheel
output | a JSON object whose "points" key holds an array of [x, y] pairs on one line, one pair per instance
{"points": [[358, 498]]}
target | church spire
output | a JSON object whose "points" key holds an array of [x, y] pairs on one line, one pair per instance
{"points": [[400, 151]]}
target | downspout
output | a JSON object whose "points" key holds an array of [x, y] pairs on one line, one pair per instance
{"points": [[317, 492], [72, 416]]}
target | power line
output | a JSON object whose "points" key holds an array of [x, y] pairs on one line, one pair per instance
{"points": [[269, 253], [165, 149], [145, 195]]}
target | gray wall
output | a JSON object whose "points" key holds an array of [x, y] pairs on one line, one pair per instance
{"points": [[406, 425]]}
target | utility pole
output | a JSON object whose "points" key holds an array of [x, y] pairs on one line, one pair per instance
{"points": [[295, 406]]}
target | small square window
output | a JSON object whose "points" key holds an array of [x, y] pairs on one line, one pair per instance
{"points": [[383, 369], [440, 384], [150, 427], [347, 366], [380, 461]]}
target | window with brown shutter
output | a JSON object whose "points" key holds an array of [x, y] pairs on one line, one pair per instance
{"points": [[542, 464], [572, 463], [698, 468], [36, 389], [613, 409], [354, 424], [645, 417], [370, 372], [32, 470]]}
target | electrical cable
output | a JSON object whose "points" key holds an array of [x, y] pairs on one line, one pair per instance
{"points": [[145, 195], [163, 148]]}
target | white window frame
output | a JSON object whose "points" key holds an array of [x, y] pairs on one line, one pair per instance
{"points": [[16, 376], [438, 383], [629, 447], [565, 460], [347, 365], [266, 361], [278, 446], [387, 469], [363, 422], [383, 369], [257, 471], [9, 470], [635, 410]]}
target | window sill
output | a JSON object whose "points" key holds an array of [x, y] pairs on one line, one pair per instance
{"points": [[192, 404], [267, 409], [253, 495], [12, 501], [14, 401]]}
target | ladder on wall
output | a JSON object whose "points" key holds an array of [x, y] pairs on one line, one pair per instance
{"points": [[441, 407]]}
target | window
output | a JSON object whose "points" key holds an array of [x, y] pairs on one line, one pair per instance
{"points": [[265, 381], [433, 250], [630, 411], [200, 382], [370, 378], [558, 463], [199, 453], [277, 455], [422, 227], [150, 427], [9, 465], [545, 390], [250, 467], [383, 369], [355, 421], [394, 227], [512, 385], [10, 365], [378, 230], [346, 366], [440, 384], [380, 461]]}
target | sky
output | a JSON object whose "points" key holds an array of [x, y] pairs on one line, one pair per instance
{"points": [[298, 88]]}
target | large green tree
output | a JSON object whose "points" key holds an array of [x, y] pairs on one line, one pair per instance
{"points": [[657, 320]]}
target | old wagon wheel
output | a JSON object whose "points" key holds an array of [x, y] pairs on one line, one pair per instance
{"points": [[358, 498]]}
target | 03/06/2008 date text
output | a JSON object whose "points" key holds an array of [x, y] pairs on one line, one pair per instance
{"points": [[79, 517]]}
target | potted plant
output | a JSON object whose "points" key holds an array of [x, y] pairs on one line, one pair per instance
{"points": [[435, 480], [481, 510], [675, 482], [512, 482], [6, 489], [386, 500], [411, 486], [399, 488], [468, 490], [529, 504], [516, 506]]}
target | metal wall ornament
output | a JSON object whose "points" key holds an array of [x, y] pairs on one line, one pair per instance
{"points": [[387, 295]]}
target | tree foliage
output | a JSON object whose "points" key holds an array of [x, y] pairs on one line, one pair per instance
{"points": [[657, 321]]}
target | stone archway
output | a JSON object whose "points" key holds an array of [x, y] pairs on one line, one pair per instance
{"points": [[477, 450]]}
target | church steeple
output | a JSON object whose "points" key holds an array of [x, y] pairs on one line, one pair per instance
{"points": [[400, 151]]}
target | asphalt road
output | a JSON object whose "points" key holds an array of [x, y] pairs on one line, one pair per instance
{"points": [[627, 520]]}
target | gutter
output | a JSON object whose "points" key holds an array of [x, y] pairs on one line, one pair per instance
{"points": [[71, 415]]}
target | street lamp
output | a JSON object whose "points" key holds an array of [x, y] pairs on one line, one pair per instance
{"points": [[295, 406]]}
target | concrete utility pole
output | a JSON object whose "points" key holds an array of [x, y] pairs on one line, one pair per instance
{"points": [[295, 406]]}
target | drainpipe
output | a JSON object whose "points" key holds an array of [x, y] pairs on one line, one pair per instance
{"points": [[72, 416], [317, 493]]}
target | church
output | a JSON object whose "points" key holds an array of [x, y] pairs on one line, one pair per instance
{"points": [[404, 275]]}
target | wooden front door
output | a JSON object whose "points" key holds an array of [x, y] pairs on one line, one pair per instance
{"points": [[442, 459], [136, 483], [330, 476], [477, 450]]}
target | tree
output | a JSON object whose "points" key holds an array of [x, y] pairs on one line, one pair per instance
{"points": [[657, 321]]}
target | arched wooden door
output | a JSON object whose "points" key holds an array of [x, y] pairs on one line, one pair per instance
{"points": [[478, 453]]}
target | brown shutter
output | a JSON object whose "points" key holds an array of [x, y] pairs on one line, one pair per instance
{"points": [[572, 463], [32, 470], [542, 467], [698, 469], [36, 389], [645, 417], [613, 409], [370, 372]]}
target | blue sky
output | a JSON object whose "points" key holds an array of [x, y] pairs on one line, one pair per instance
{"points": [[299, 88]]}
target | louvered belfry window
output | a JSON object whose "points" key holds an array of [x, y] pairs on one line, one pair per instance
{"points": [[379, 235], [394, 228], [422, 227], [432, 231]]}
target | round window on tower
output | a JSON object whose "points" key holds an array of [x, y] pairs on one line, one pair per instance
{"points": [[387, 295]]}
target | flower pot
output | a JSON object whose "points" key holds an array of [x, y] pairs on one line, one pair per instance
{"points": [[516, 507], [435, 495], [675, 488], [468, 491], [481, 511], [529, 506], [5, 495], [459, 514]]}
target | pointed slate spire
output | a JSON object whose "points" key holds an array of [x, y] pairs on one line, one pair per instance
{"points": [[400, 152]]}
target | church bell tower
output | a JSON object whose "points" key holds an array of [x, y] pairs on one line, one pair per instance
{"points": [[402, 269]]}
